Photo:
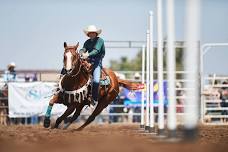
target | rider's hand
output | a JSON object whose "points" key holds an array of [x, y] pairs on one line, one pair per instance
{"points": [[85, 55]]}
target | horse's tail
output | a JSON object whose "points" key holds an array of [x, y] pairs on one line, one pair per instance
{"points": [[129, 85]]}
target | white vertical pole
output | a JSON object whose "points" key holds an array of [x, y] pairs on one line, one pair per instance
{"points": [[143, 90], [202, 108], [171, 68], [151, 72], [160, 70], [147, 80], [192, 65]]}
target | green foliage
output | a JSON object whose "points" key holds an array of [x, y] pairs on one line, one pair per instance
{"points": [[125, 64], [135, 64]]}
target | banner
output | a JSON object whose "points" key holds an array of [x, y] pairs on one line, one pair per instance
{"points": [[133, 99], [28, 99]]}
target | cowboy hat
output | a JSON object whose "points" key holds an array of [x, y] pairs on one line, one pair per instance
{"points": [[92, 28], [137, 75], [12, 64]]}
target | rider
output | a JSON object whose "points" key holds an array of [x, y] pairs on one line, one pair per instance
{"points": [[95, 52]]}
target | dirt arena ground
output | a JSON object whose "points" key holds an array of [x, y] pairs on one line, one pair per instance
{"points": [[105, 138]]}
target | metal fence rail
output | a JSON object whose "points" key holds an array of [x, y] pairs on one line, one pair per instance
{"points": [[214, 111], [128, 114], [211, 110]]}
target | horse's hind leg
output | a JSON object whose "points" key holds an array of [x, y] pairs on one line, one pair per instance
{"points": [[100, 106], [68, 111]]}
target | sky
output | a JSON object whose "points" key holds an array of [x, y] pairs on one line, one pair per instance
{"points": [[32, 32]]}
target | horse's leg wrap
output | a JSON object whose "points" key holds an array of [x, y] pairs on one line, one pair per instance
{"points": [[47, 120], [48, 112]]}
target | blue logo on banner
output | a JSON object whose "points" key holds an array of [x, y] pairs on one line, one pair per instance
{"points": [[38, 92]]}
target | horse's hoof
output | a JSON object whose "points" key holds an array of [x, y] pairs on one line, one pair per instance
{"points": [[54, 126], [47, 122], [78, 129]]}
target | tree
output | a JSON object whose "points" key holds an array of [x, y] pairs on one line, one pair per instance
{"points": [[127, 65], [135, 64]]}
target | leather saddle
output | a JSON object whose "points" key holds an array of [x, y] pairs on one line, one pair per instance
{"points": [[104, 79]]}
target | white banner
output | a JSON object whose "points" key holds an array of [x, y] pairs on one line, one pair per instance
{"points": [[28, 99]]}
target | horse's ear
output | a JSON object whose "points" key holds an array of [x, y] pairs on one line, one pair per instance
{"points": [[65, 44], [77, 46]]}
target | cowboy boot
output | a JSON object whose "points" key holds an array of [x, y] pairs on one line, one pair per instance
{"points": [[95, 91]]}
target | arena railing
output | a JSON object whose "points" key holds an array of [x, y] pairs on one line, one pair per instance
{"points": [[214, 110], [130, 76]]}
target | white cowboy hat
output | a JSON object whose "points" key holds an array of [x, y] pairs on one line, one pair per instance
{"points": [[137, 75], [12, 64], [92, 28]]}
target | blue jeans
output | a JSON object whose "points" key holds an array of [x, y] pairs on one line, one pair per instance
{"points": [[97, 66]]}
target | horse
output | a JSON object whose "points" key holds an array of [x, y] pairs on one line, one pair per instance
{"points": [[75, 88]]}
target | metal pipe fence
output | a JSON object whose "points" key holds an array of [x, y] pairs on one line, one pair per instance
{"points": [[212, 110]]}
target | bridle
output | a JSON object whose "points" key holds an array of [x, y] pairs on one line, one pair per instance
{"points": [[78, 61]]}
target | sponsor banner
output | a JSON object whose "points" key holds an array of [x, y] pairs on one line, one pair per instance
{"points": [[28, 99], [133, 99]]}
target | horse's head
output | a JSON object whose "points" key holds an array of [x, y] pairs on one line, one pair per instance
{"points": [[71, 56]]}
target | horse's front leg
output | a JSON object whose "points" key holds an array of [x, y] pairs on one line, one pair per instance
{"points": [[47, 121], [75, 116], [68, 111]]}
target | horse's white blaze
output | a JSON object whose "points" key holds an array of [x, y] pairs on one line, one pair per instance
{"points": [[68, 61]]}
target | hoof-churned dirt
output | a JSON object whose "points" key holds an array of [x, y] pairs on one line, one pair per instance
{"points": [[105, 138]]}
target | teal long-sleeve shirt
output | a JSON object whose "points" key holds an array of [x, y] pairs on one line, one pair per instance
{"points": [[95, 47]]}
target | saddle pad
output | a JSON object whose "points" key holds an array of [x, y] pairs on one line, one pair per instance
{"points": [[105, 81]]}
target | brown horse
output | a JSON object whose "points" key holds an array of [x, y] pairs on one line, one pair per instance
{"points": [[75, 87]]}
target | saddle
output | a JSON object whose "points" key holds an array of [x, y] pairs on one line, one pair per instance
{"points": [[104, 79]]}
